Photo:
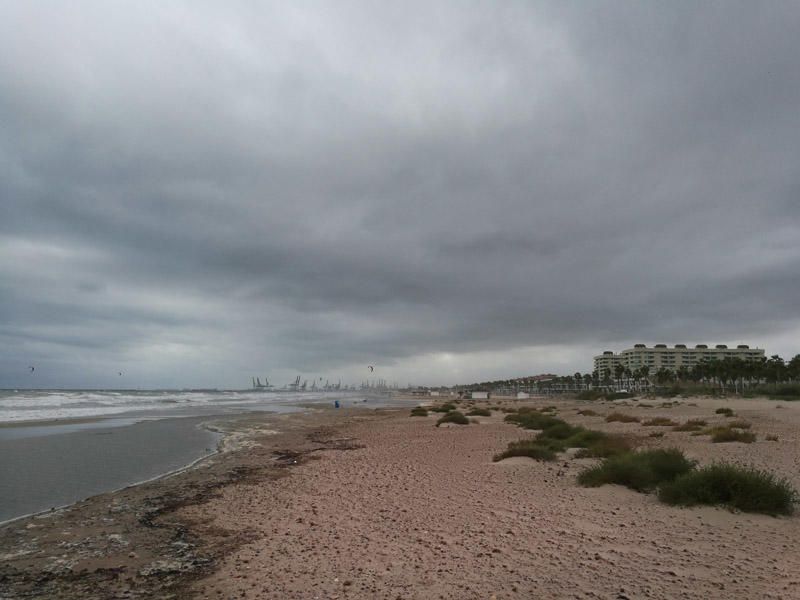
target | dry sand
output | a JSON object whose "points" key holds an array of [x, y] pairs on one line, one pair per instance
{"points": [[383, 505], [422, 512]]}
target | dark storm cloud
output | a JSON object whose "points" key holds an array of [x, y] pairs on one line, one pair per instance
{"points": [[198, 191]]}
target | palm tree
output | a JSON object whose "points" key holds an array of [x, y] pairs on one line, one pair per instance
{"points": [[619, 371]]}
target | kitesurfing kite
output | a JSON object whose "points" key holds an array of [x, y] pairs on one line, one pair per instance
{"points": [[371, 368], [31, 368]]}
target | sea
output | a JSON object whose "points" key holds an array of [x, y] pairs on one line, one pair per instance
{"points": [[61, 446]]}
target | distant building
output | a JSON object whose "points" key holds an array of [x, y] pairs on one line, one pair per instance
{"points": [[672, 359], [479, 395]]}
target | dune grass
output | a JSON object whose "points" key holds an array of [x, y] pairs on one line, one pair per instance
{"points": [[659, 422], [443, 408], [742, 488], [587, 412], [772, 438], [739, 424], [419, 411], [529, 448], [528, 418], [604, 447], [621, 418], [479, 412], [726, 434], [556, 435], [728, 412], [691, 425], [453, 417], [656, 434], [640, 471]]}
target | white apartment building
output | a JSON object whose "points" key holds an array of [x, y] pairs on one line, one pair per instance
{"points": [[662, 357]]}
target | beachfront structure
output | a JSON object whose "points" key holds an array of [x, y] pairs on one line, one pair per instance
{"points": [[662, 357]]}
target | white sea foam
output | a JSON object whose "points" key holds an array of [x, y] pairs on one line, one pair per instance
{"points": [[41, 405]]}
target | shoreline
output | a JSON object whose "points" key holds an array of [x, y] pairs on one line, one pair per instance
{"points": [[33, 542], [165, 475], [269, 519]]}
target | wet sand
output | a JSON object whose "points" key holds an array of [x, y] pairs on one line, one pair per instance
{"points": [[377, 504]]}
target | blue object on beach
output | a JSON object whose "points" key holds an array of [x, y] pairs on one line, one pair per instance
{"points": [[336, 403]]}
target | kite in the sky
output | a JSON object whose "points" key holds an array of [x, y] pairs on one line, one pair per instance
{"points": [[371, 368], [32, 369]]}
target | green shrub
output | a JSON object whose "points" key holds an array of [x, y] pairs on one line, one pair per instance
{"points": [[742, 488], [443, 408], [603, 447], [587, 412], [739, 424], [526, 448], [419, 411], [659, 422], [532, 419], [789, 391], [560, 431], [453, 417], [786, 391], [691, 425], [640, 471], [622, 418], [728, 412], [590, 395], [772, 438], [656, 434], [479, 412], [619, 395], [724, 434]]}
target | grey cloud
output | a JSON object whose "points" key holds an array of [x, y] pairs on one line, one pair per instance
{"points": [[303, 188]]}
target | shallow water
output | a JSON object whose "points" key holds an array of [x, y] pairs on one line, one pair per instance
{"points": [[58, 447], [38, 472]]}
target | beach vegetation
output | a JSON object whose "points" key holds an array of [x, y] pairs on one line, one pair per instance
{"points": [[656, 434], [453, 416], [621, 418], [443, 408], [419, 411], [529, 448], [604, 446], [556, 435], [739, 424], [659, 422], [691, 425], [587, 412], [740, 488], [641, 471], [479, 412], [728, 412], [726, 434], [772, 438], [531, 419]]}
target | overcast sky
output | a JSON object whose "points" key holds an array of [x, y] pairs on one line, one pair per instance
{"points": [[193, 193]]}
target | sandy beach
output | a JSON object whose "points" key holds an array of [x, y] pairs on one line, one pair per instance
{"points": [[377, 504]]}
